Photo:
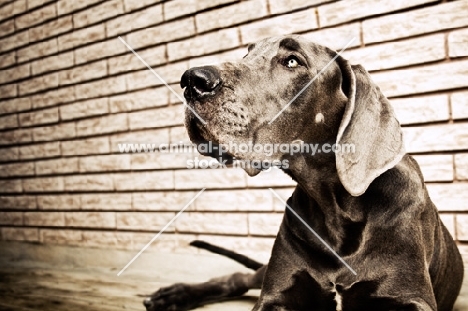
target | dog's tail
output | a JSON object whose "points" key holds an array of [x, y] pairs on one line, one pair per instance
{"points": [[244, 260]]}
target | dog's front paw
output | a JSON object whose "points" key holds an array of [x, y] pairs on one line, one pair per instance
{"points": [[177, 297]]}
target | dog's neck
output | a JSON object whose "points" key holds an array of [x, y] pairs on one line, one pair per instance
{"points": [[322, 201]]}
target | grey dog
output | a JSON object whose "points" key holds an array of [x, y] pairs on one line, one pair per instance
{"points": [[371, 206]]}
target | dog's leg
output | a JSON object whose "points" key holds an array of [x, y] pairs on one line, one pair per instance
{"points": [[181, 296]]}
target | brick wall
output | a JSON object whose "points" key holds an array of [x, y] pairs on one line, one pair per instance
{"points": [[70, 91]]}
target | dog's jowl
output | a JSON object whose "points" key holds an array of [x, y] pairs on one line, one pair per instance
{"points": [[368, 204]]}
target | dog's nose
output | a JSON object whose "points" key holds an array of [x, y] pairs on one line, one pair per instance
{"points": [[147, 303], [200, 82]]}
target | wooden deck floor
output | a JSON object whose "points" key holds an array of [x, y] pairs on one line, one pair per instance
{"points": [[34, 277]]}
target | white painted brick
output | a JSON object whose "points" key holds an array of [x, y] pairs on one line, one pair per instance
{"points": [[145, 78], [57, 166], [53, 97], [88, 183], [36, 17], [131, 5], [15, 73], [153, 56], [45, 116], [100, 88], [176, 8], [436, 167], [17, 169], [65, 237], [54, 62], [425, 109], [17, 40], [332, 14], [39, 151], [280, 25], [179, 134], [106, 124], [9, 154], [204, 44], [264, 224], [231, 15], [8, 59], [165, 243], [114, 240], [43, 184], [81, 37], [163, 201], [58, 202], [18, 202], [422, 79], [8, 90], [462, 227], [235, 200], [284, 194], [153, 136], [389, 55], [102, 163], [161, 180], [154, 118], [90, 219], [106, 201], [15, 105], [159, 160], [220, 223], [10, 8], [11, 218], [125, 23], [282, 6], [87, 108], [337, 37], [84, 147], [54, 132], [14, 137], [148, 98], [461, 166], [436, 138], [44, 219], [37, 50], [141, 221], [100, 12], [39, 83], [210, 178], [458, 43], [449, 197], [20, 234], [83, 73], [98, 50], [229, 56], [420, 21], [50, 29], [9, 121], [459, 105]]}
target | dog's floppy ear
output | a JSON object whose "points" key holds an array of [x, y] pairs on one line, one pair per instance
{"points": [[370, 125]]}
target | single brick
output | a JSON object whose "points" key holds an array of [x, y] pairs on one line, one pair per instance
{"points": [[88, 183], [100, 88], [219, 223], [43, 184], [140, 221], [52, 63], [90, 219], [39, 151], [59, 202], [234, 14], [10, 186], [424, 109], [87, 108], [337, 37], [99, 50], [159, 180], [54, 132], [96, 145], [436, 167], [208, 43], [442, 137], [8, 59], [105, 201], [11, 218], [102, 163], [44, 219], [49, 115], [57, 166], [425, 20], [106, 124], [9, 121], [147, 98], [458, 43], [98, 13], [163, 200], [280, 25], [18, 202], [160, 117], [449, 197], [210, 178], [17, 169], [83, 73]]}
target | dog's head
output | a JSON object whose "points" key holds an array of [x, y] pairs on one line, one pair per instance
{"points": [[288, 90]]}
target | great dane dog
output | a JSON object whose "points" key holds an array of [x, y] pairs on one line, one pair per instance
{"points": [[371, 206]]}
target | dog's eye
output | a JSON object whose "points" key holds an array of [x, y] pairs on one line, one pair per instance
{"points": [[291, 62]]}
